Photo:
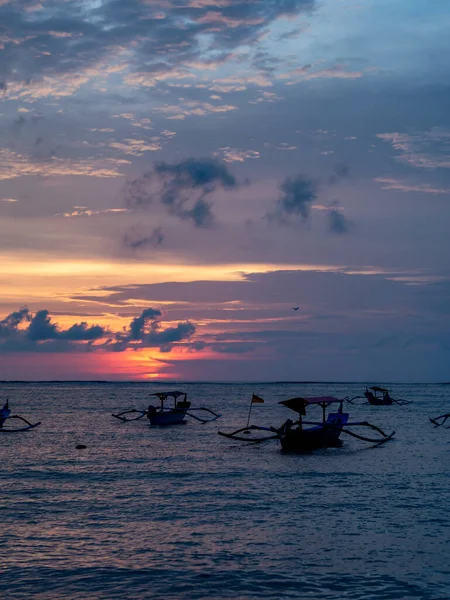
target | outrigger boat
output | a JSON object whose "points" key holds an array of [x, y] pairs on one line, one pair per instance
{"points": [[378, 396], [326, 433], [5, 415], [167, 415], [438, 421]]}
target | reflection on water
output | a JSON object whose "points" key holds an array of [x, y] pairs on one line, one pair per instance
{"points": [[182, 513]]}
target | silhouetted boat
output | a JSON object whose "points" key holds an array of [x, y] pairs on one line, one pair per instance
{"points": [[373, 397], [5, 415], [378, 396], [168, 415], [295, 438], [326, 433]]}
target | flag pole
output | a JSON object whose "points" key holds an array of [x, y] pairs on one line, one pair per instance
{"points": [[250, 411]]}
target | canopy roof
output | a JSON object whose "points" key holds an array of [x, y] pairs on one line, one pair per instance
{"points": [[378, 389], [299, 404]]}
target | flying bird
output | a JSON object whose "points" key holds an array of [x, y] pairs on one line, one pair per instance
{"points": [[296, 308]]}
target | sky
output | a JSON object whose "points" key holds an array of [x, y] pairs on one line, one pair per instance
{"points": [[177, 176]]}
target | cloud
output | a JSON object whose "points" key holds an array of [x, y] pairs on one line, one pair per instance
{"points": [[136, 147], [182, 188], [269, 97], [340, 171], [83, 211], [41, 328], [22, 331], [239, 83], [292, 34], [336, 220], [53, 49], [297, 199], [137, 326], [236, 154], [234, 347], [295, 202], [170, 335], [139, 238], [196, 346], [146, 330], [192, 108], [423, 150], [343, 310], [82, 332], [168, 133], [8, 326], [306, 73], [281, 146], [391, 183], [13, 165]]}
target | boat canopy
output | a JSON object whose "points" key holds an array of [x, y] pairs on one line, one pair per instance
{"points": [[299, 404], [378, 389]]}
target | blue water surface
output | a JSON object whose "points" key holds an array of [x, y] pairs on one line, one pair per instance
{"points": [[181, 513]]}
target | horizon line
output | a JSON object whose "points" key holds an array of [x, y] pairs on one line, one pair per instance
{"points": [[209, 382]]}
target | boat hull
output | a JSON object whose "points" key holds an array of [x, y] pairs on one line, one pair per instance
{"points": [[306, 440], [324, 435], [376, 401], [167, 417], [380, 402]]}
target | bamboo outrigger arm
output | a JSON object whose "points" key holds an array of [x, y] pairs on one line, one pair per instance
{"points": [[29, 425], [400, 401], [119, 416], [214, 418], [385, 436], [441, 417], [367, 424], [23, 419], [350, 400], [234, 435], [378, 441]]}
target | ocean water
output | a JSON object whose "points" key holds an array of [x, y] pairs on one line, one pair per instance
{"points": [[182, 513]]}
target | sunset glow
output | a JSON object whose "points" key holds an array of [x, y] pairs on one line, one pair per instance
{"points": [[224, 190]]}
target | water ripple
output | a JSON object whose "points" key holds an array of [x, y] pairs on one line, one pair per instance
{"points": [[183, 514]]}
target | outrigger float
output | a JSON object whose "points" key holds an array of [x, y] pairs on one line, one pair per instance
{"points": [[167, 415], [5, 415], [378, 396], [294, 437], [438, 421]]}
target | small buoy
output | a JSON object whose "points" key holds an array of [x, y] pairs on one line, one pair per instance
{"points": [[80, 446]]}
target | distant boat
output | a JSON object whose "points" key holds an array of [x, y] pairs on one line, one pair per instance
{"points": [[5, 415], [373, 396], [378, 396], [326, 433], [168, 415]]}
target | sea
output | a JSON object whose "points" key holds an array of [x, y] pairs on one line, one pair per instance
{"points": [[181, 513]]}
